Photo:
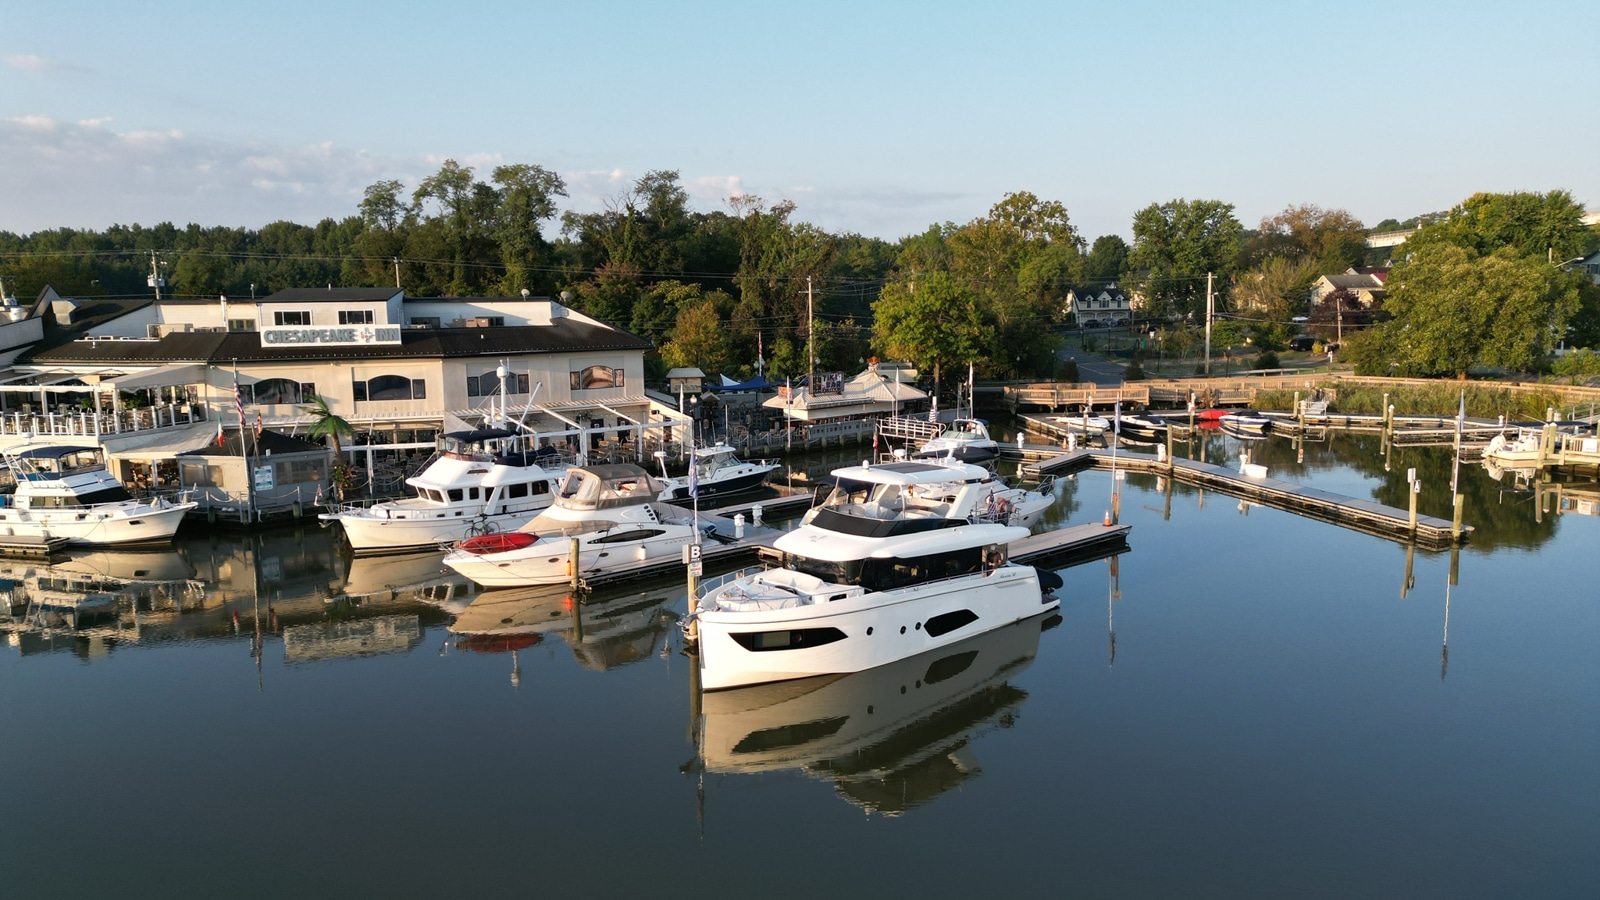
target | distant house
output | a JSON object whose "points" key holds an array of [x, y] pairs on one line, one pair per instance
{"points": [[1365, 283], [1100, 307], [1589, 264]]}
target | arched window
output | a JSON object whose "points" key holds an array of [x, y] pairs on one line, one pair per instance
{"points": [[488, 384], [281, 390], [390, 387]]}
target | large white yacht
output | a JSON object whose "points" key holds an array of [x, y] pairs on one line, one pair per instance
{"points": [[67, 492], [485, 480], [898, 561], [718, 470], [613, 511]]}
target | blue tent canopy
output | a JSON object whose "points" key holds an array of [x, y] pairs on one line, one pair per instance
{"points": [[758, 383]]}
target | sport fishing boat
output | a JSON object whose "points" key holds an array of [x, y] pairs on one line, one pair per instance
{"points": [[67, 492], [613, 511], [485, 480], [966, 440], [894, 563], [718, 470]]}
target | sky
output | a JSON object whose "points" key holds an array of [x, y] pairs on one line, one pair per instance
{"points": [[879, 118]]}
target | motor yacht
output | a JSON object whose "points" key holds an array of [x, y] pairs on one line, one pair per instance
{"points": [[718, 470], [484, 480], [65, 491], [612, 510], [897, 561], [966, 440]]}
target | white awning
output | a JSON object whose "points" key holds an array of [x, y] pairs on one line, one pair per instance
{"points": [[176, 373], [164, 443]]}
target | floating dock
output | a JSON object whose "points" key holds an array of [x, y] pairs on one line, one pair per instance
{"points": [[1362, 515], [27, 546]]}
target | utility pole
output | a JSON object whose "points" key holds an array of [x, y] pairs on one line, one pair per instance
{"points": [[811, 351], [1210, 310], [155, 275], [1338, 319], [397, 272]]}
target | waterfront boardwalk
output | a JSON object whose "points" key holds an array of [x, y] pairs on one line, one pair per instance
{"points": [[1362, 515]]}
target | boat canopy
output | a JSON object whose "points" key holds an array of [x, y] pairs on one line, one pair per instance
{"points": [[601, 487], [909, 473], [50, 452], [480, 435]]}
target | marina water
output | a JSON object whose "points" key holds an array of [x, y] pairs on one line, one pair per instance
{"points": [[1248, 703]]}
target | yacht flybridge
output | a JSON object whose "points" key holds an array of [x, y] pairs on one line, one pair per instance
{"points": [[898, 561], [484, 480], [67, 492]]}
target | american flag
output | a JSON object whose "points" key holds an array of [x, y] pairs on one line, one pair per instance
{"points": [[238, 403]]}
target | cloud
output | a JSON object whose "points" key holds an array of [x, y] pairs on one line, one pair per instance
{"points": [[39, 65], [87, 174]]}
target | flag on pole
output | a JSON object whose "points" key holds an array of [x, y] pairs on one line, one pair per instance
{"points": [[933, 411], [220, 438], [1455, 470], [258, 425], [1116, 421], [238, 401], [694, 475]]}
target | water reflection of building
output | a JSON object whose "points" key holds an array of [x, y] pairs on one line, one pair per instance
{"points": [[890, 738]]}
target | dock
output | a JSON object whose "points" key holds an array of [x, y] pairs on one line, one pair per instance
{"points": [[28, 546], [1362, 515]]}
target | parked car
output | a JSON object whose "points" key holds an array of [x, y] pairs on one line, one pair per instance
{"points": [[1302, 342]]}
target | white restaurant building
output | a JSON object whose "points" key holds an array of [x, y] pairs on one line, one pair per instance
{"points": [[150, 380]]}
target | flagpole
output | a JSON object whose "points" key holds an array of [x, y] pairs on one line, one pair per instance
{"points": [[1455, 469], [249, 470]]}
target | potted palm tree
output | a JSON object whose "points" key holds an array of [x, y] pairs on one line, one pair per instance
{"points": [[327, 423]]}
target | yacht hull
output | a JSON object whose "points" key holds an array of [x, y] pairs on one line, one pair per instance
{"points": [[546, 562], [120, 524], [878, 628], [372, 534], [747, 482]]}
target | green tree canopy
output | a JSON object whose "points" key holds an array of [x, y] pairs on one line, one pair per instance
{"points": [[934, 321], [1175, 244]]}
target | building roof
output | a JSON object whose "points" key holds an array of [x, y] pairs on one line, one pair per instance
{"points": [[562, 335], [271, 442], [330, 294], [1355, 282]]}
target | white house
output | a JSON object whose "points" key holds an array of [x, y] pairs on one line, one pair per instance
{"points": [[1100, 307]]}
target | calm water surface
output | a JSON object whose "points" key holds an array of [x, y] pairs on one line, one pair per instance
{"points": [[1246, 704]]}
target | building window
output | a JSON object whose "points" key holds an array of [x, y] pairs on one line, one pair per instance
{"points": [[596, 378], [389, 387], [241, 324], [488, 384], [300, 471], [280, 390], [355, 317], [292, 317]]}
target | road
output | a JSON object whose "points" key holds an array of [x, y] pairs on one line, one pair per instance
{"points": [[1093, 367]]}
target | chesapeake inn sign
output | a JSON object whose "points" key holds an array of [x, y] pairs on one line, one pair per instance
{"points": [[343, 335]]}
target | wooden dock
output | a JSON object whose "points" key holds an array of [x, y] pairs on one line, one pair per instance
{"points": [[28, 546], [1361, 515]]}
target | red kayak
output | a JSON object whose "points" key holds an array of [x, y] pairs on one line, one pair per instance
{"points": [[1211, 415], [498, 543]]}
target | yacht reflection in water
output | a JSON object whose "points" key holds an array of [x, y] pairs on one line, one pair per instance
{"points": [[890, 738], [605, 631], [89, 601]]}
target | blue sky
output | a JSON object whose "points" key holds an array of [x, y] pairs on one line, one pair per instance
{"points": [[878, 118]]}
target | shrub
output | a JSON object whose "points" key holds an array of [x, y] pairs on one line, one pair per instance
{"points": [[1267, 360]]}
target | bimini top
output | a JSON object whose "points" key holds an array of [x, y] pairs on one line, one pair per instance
{"points": [[480, 435], [908, 473], [54, 451], [603, 487]]}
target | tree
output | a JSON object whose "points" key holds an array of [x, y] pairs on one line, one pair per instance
{"points": [[933, 322], [1177, 243], [526, 197], [1273, 292], [326, 423], [1107, 260], [1453, 310], [1332, 239], [699, 339], [1548, 226]]}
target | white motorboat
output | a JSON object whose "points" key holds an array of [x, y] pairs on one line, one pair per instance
{"points": [[613, 511], [966, 440], [896, 562], [1145, 428], [1083, 424], [1524, 447], [484, 480], [67, 492], [718, 471], [1246, 421], [998, 500]]}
